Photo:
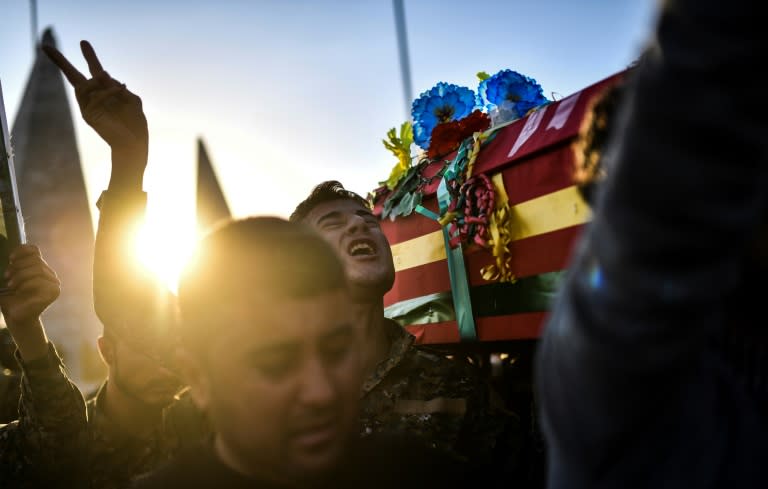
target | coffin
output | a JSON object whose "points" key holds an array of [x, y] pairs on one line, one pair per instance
{"points": [[531, 161]]}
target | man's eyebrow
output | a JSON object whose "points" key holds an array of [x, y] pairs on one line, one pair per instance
{"points": [[328, 216], [364, 213], [283, 348]]}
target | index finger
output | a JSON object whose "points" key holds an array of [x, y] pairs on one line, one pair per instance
{"points": [[94, 65], [75, 77]]}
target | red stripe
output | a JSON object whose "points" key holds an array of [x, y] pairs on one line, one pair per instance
{"points": [[496, 328], [548, 252], [413, 226], [539, 175], [418, 281]]}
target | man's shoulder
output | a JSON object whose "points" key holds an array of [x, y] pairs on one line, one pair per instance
{"points": [[426, 383], [427, 362]]}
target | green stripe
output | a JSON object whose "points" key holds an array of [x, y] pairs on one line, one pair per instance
{"points": [[529, 294]]}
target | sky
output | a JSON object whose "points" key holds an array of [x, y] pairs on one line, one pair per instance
{"points": [[287, 93]]}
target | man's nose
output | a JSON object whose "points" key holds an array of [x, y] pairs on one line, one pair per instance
{"points": [[356, 224], [317, 387]]}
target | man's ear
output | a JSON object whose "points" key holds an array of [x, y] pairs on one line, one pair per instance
{"points": [[106, 350], [194, 374]]}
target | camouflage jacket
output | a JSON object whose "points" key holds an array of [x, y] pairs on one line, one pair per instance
{"points": [[41, 448], [10, 378], [10, 390], [114, 457], [417, 390]]}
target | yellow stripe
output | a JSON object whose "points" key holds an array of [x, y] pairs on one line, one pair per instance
{"points": [[558, 210], [551, 212]]}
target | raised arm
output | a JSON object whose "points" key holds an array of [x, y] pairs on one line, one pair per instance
{"points": [[116, 114]]}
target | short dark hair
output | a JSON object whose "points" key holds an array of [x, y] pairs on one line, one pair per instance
{"points": [[257, 255], [325, 192]]}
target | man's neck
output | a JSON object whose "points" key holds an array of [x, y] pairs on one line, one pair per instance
{"points": [[128, 414], [369, 314]]}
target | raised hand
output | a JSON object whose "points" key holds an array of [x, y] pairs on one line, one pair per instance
{"points": [[106, 105], [34, 286]]}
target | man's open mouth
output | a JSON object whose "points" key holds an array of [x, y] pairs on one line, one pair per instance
{"points": [[361, 247]]}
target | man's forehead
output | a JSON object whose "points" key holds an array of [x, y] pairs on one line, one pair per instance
{"points": [[341, 206], [272, 319], [268, 306]]}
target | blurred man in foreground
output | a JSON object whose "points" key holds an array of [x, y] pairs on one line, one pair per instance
{"points": [[272, 355]]}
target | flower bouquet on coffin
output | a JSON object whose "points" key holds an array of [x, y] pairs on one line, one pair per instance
{"points": [[443, 103], [444, 116], [508, 96]]}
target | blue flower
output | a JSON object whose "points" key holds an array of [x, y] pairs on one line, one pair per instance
{"points": [[442, 103], [511, 89]]}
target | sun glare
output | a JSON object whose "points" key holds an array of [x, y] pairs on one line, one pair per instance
{"points": [[164, 249]]}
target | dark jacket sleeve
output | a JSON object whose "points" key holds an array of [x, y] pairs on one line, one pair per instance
{"points": [[629, 381]]}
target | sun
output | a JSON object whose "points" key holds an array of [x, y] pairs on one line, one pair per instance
{"points": [[164, 248]]}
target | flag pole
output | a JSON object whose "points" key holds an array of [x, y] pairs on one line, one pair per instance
{"points": [[33, 22], [405, 65]]}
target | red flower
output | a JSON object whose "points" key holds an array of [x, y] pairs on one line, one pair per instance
{"points": [[447, 136], [475, 122]]}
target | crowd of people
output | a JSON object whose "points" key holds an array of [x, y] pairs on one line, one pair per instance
{"points": [[275, 367]]}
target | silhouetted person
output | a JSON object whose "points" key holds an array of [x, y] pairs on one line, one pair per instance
{"points": [[639, 386]]}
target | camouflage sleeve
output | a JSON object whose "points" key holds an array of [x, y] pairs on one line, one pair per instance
{"points": [[442, 399], [42, 447]]}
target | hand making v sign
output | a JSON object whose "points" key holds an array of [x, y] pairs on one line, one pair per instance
{"points": [[110, 109]]}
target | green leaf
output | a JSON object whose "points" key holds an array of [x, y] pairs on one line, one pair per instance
{"points": [[406, 205], [406, 136], [482, 75]]}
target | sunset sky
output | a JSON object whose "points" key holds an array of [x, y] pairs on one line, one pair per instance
{"points": [[286, 93]]}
